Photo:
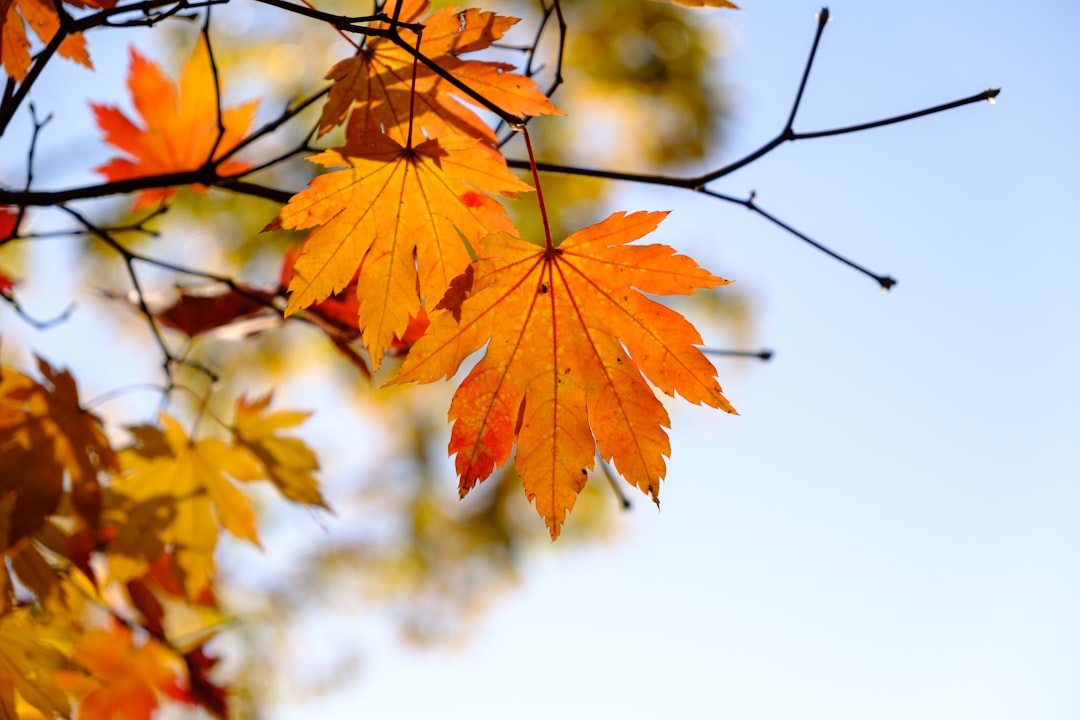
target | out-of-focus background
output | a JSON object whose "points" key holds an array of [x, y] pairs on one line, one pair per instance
{"points": [[887, 530]]}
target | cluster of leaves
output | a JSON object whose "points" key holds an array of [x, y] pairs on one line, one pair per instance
{"points": [[107, 589], [411, 219], [413, 215]]}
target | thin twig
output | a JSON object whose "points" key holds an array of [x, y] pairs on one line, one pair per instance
{"points": [[129, 258], [764, 355], [885, 281], [823, 18], [117, 392], [609, 473], [30, 320], [287, 114], [205, 32]]}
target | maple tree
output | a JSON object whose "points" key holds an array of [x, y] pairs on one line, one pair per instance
{"points": [[406, 251]]}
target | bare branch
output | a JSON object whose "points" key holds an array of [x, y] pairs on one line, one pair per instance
{"points": [[29, 319], [988, 95], [787, 134], [205, 32]]}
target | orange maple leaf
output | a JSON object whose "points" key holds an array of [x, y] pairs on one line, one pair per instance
{"points": [[376, 84], [569, 336], [342, 308], [125, 680], [181, 126], [41, 16], [399, 214]]}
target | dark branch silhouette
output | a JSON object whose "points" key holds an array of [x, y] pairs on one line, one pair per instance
{"points": [[698, 183]]}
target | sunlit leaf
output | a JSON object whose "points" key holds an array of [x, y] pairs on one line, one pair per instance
{"points": [[123, 679], [375, 88], [42, 18], [570, 340], [179, 129], [399, 219], [45, 437], [166, 463], [27, 664]]}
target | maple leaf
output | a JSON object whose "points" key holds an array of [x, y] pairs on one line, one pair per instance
{"points": [[42, 18], [396, 217], [27, 664], [125, 679], [45, 436], [201, 310], [340, 309], [569, 337], [376, 86], [181, 125], [175, 490], [202, 689], [286, 461], [166, 463], [338, 315], [37, 575]]}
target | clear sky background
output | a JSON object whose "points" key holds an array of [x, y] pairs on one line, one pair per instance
{"points": [[890, 527]]}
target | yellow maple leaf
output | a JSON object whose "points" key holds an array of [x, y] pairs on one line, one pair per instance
{"points": [[404, 216], [166, 463], [570, 341], [286, 461], [27, 664]]}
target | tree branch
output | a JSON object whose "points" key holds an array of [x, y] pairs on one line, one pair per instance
{"points": [[697, 183]]}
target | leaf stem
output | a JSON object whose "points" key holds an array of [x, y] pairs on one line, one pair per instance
{"points": [[412, 86], [539, 193]]}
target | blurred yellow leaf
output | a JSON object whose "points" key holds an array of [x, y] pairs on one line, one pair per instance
{"points": [[27, 664], [286, 461]]}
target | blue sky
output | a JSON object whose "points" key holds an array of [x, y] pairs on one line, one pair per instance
{"points": [[889, 529]]}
